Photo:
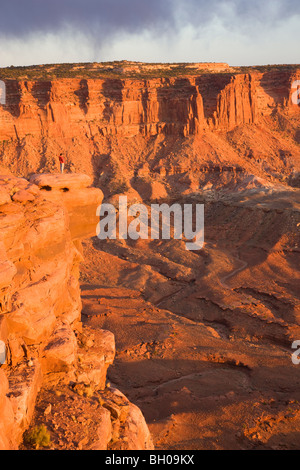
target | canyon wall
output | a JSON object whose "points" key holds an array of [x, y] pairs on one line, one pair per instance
{"points": [[110, 128], [65, 107], [42, 223]]}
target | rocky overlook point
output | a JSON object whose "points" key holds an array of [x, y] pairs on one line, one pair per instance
{"points": [[42, 225]]}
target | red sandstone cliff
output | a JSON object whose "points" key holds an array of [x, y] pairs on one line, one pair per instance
{"points": [[109, 127], [42, 224], [147, 107]]}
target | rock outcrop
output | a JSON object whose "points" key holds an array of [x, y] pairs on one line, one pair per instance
{"points": [[185, 105], [42, 223]]}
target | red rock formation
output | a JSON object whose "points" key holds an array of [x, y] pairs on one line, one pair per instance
{"points": [[227, 139], [42, 224], [70, 107], [108, 128]]}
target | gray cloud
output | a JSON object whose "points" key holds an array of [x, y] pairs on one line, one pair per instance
{"points": [[103, 18], [240, 32], [18, 19]]}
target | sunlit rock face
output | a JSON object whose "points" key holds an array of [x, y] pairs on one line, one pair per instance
{"points": [[74, 191], [213, 126], [40, 304], [42, 224], [186, 105]]}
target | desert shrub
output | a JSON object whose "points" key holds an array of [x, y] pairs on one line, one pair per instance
{"points": [[37, 437], [118, 186], [104, 70], [84, 390]]}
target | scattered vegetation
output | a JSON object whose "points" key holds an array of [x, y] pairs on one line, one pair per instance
{"points": [[124, 69], [267, 68], [116, 183], [118, 186], [84, 390], [38, 437]]}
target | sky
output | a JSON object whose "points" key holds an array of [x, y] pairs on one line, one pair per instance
{"points": [[239, 32]]}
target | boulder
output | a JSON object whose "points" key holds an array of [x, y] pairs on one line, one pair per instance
{"points": [[60, 353], [104, 431], [23, 196]]}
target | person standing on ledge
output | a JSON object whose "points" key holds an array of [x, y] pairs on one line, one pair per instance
{"points": [[62, 163]]}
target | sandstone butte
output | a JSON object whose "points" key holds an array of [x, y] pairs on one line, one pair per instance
{"points": [[203, 340]]}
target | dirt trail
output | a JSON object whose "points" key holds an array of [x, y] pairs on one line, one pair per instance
{"points": [[243, 266]]}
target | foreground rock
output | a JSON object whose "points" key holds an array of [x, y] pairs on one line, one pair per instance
{"points": [[40, 303], [92, 419]]}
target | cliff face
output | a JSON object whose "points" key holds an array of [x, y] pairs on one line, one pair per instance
{"points": [[42, 223], [63, 107], [110, 128]]}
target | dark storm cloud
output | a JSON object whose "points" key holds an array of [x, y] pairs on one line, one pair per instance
{"points": [[109, 17], [18, 18]]}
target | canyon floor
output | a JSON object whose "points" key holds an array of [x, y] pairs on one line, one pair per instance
{"points": [[204, 338]]}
